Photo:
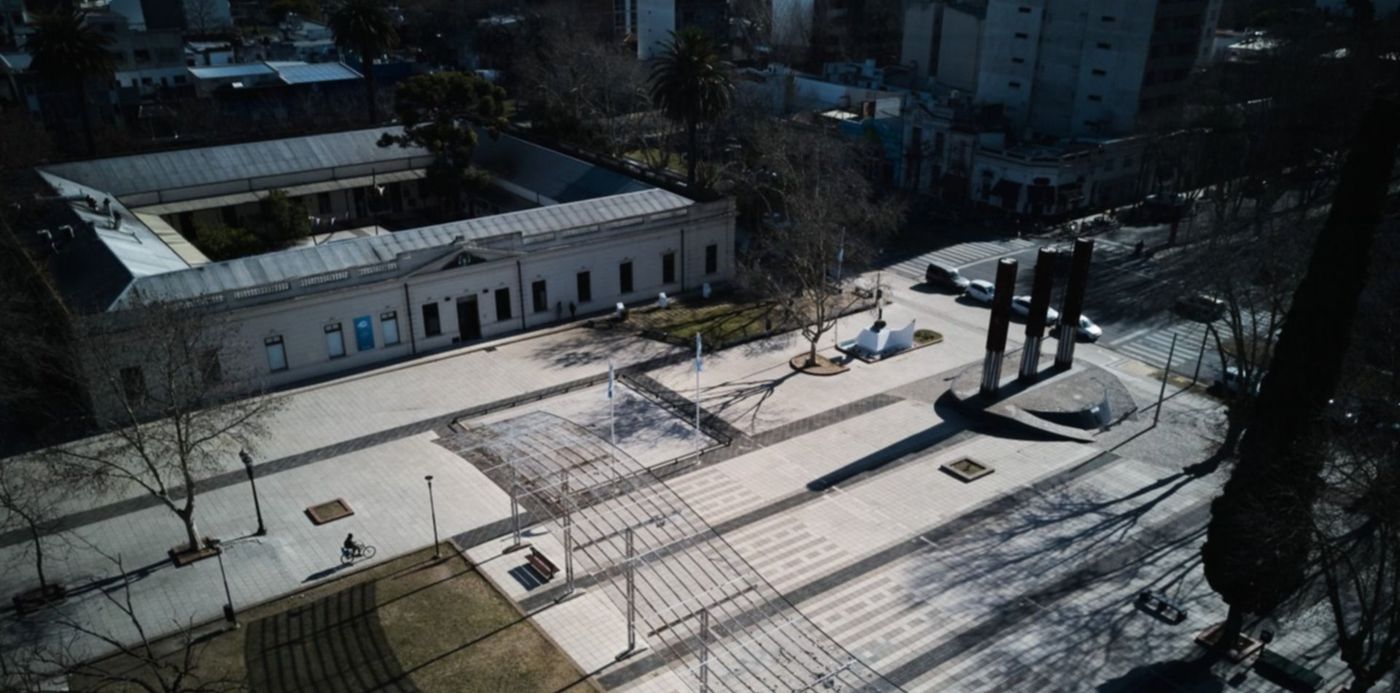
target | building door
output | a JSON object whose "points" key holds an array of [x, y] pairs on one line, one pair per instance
{"points": [[468, 319], [395, 198]]}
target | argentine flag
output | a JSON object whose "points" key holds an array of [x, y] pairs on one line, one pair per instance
{"points": [[610, 380], [698, 366]]}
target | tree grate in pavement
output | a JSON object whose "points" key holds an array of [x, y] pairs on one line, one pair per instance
{"points": [[335, 643]]}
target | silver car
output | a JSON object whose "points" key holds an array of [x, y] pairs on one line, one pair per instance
{"points": [[981, 290], [1021, 306]]}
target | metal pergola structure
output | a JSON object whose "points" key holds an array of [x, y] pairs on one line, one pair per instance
{"points": [[714, 620]]}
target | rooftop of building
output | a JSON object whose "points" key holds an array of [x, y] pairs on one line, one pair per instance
{"points": [[103, 266]]}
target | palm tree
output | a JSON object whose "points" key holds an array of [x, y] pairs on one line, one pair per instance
{"points": [[690, 84], [365, 27], [67, 51]]}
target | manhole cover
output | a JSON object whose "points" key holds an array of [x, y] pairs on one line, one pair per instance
{"points": [[967, 469], [329, 511]]}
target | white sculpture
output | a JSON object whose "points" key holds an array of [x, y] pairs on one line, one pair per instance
{"points": [[662, 301], [885, 341]]}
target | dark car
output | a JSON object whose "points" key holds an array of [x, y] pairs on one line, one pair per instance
{"points": [[945, 277], [1200, 307]]}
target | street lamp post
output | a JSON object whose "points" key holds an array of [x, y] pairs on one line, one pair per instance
{"points": [[229, 614], [432, 508], [257, 507]]}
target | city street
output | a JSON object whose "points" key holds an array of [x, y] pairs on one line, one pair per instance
{"points": [[1130, 295]]}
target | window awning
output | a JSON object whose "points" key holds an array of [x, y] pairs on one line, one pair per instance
{"points": [[1040, 196], [1009, 191], [219, 201]]}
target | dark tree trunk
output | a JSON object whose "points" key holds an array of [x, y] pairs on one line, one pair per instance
{"points": [[1230, 631], [1234, 429], [86, 118], [38, 554], [367, 67], [692, 145], [191, 532]]}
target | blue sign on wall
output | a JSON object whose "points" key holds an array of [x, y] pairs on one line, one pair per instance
{"points": [[364, 333]]}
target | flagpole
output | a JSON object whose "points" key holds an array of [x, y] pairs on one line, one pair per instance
{"points": [[840, 258], [612, 406], [697, 386]]}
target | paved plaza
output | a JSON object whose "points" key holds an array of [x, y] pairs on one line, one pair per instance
{"points": [[807, 537]]}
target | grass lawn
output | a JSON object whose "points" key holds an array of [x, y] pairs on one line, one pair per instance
{"points": [[412, 624], [720, 322], [647, 157]]}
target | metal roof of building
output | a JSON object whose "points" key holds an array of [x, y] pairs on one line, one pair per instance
{"points": [[315, 266], [310, 73], [548, 175], [126, 175], [140, 250], [229, 71]]}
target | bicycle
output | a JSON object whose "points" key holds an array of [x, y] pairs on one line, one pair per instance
{"points": [[348, 555]]}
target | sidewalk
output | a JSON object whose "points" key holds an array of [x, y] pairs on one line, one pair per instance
{"points": [[383, 484], [327, 419]]}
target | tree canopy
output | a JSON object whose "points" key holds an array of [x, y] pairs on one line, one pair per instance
{"points": [[690, 84], [365, 27], [439, 112]]}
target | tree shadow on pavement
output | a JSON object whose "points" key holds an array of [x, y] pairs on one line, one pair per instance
{"points": [[584, 346], [742, 400], [1166, 677]]}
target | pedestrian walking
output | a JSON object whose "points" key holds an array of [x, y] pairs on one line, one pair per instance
{"points": [[573, 310]]}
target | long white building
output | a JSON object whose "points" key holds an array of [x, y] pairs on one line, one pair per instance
{"points": [[571, 236]]}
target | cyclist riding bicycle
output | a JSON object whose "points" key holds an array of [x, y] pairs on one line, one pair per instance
{"points": [[351, 547]]}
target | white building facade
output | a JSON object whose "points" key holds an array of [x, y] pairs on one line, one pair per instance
{"points": [[590, 238]]}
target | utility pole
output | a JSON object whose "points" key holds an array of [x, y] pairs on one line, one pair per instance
{"points": [[1166, 372]]}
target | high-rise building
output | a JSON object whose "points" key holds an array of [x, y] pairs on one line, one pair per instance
{"points": [[1082, 67], [1063, 67], [656, 19]]}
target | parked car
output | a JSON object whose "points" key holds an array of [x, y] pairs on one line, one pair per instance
{"points": [[1021, 305], [1200, 307], [1231, 382], [1087, 330], [981, 290], [945, 277]]}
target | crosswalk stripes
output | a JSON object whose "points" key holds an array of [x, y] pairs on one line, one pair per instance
{"points": [[1153, 347], [959, 255]]}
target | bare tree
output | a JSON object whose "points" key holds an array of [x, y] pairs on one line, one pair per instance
{"points": [[175, 404], [592, 91], [1358, 527], [204, 17], [139, 661], [819, 211], [29, 496]]}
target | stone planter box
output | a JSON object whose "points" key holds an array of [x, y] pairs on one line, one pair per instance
{"points": [[966, 469], [39, 597], [330, 511], [1242, 650]]}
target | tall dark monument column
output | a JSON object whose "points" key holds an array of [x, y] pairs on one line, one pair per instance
{"points": [[1040, 305], [998, 325], [1074, 301]]}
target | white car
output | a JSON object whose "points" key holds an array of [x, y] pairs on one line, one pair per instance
{"points": [[1087, 330], [1021, 305], [981, 290]]}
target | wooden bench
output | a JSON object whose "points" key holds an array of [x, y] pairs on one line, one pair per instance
{"points": [[542, 565], [1286, 672], [1162, 606]]}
